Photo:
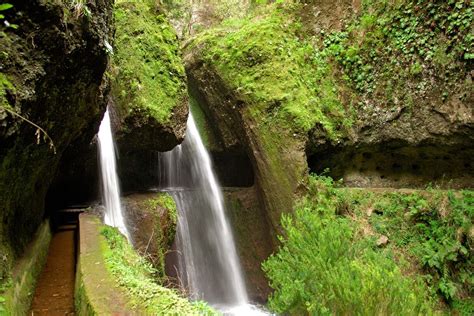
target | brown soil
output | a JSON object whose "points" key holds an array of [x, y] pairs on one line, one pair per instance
{"points": [[55, 290]]}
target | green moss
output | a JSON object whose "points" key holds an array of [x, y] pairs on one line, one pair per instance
{"points": [[5, 85], [148, 73], [165, 230], [165, 200], [136, 277], [280, 76]]}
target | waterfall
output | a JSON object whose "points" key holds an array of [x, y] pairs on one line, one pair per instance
{"points": [[110, 185], [208, 263]]}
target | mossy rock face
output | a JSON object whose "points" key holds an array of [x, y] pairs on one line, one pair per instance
{"points": [[252, 236], [148, 79], [291, 88], [223, 68], [408, 67], [151, 219], [54, 63]]}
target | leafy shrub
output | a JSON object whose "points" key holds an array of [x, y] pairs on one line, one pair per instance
{"points": [[322, 269], [433, 230]]}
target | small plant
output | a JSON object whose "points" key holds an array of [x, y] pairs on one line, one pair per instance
{"points": [[80, 9], [4, 7]]}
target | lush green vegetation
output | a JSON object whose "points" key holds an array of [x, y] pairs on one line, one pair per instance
{"points": [[396, 53], [330, 263], [322, 267], [278, 74], [391, 54], [147, 72], [164, 200], [137, 277], [432, 230]]}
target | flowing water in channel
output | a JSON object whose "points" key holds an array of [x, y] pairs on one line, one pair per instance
{"points": [[110, 185], [208, 263]]}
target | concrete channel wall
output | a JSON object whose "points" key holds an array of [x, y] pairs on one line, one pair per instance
{"points": [[21, 288], [96, 291]]}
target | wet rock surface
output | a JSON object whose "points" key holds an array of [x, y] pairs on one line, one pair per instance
{"points": [[252, 236], [151, 225], [277, 168], [408, 150], [55, 61]]}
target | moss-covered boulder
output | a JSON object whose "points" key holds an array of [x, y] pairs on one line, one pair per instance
{"points": [[151, 219], [52, 89], [148, 79]]}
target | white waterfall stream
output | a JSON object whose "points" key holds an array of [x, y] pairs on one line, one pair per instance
{"points": [[110, 185], [208, 263]]}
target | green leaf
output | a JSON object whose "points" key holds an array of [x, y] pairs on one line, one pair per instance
{"points": [[468, 56], [5, 6]]}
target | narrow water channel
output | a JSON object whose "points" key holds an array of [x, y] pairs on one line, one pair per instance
{"points": [[54, 293]]}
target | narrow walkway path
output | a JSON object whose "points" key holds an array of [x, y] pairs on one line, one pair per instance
{"points": [[54, 293]]}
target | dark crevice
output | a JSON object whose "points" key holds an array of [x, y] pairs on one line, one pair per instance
{"points": [[77, 181]]}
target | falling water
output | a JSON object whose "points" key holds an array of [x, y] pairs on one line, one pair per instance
{"points": [[110, 186], [208, 262]]}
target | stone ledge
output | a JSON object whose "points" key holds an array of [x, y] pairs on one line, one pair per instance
{"points": [[97, 293], [27, 269]]}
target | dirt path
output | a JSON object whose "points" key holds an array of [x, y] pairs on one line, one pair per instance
{"points": [[55, 289]]}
